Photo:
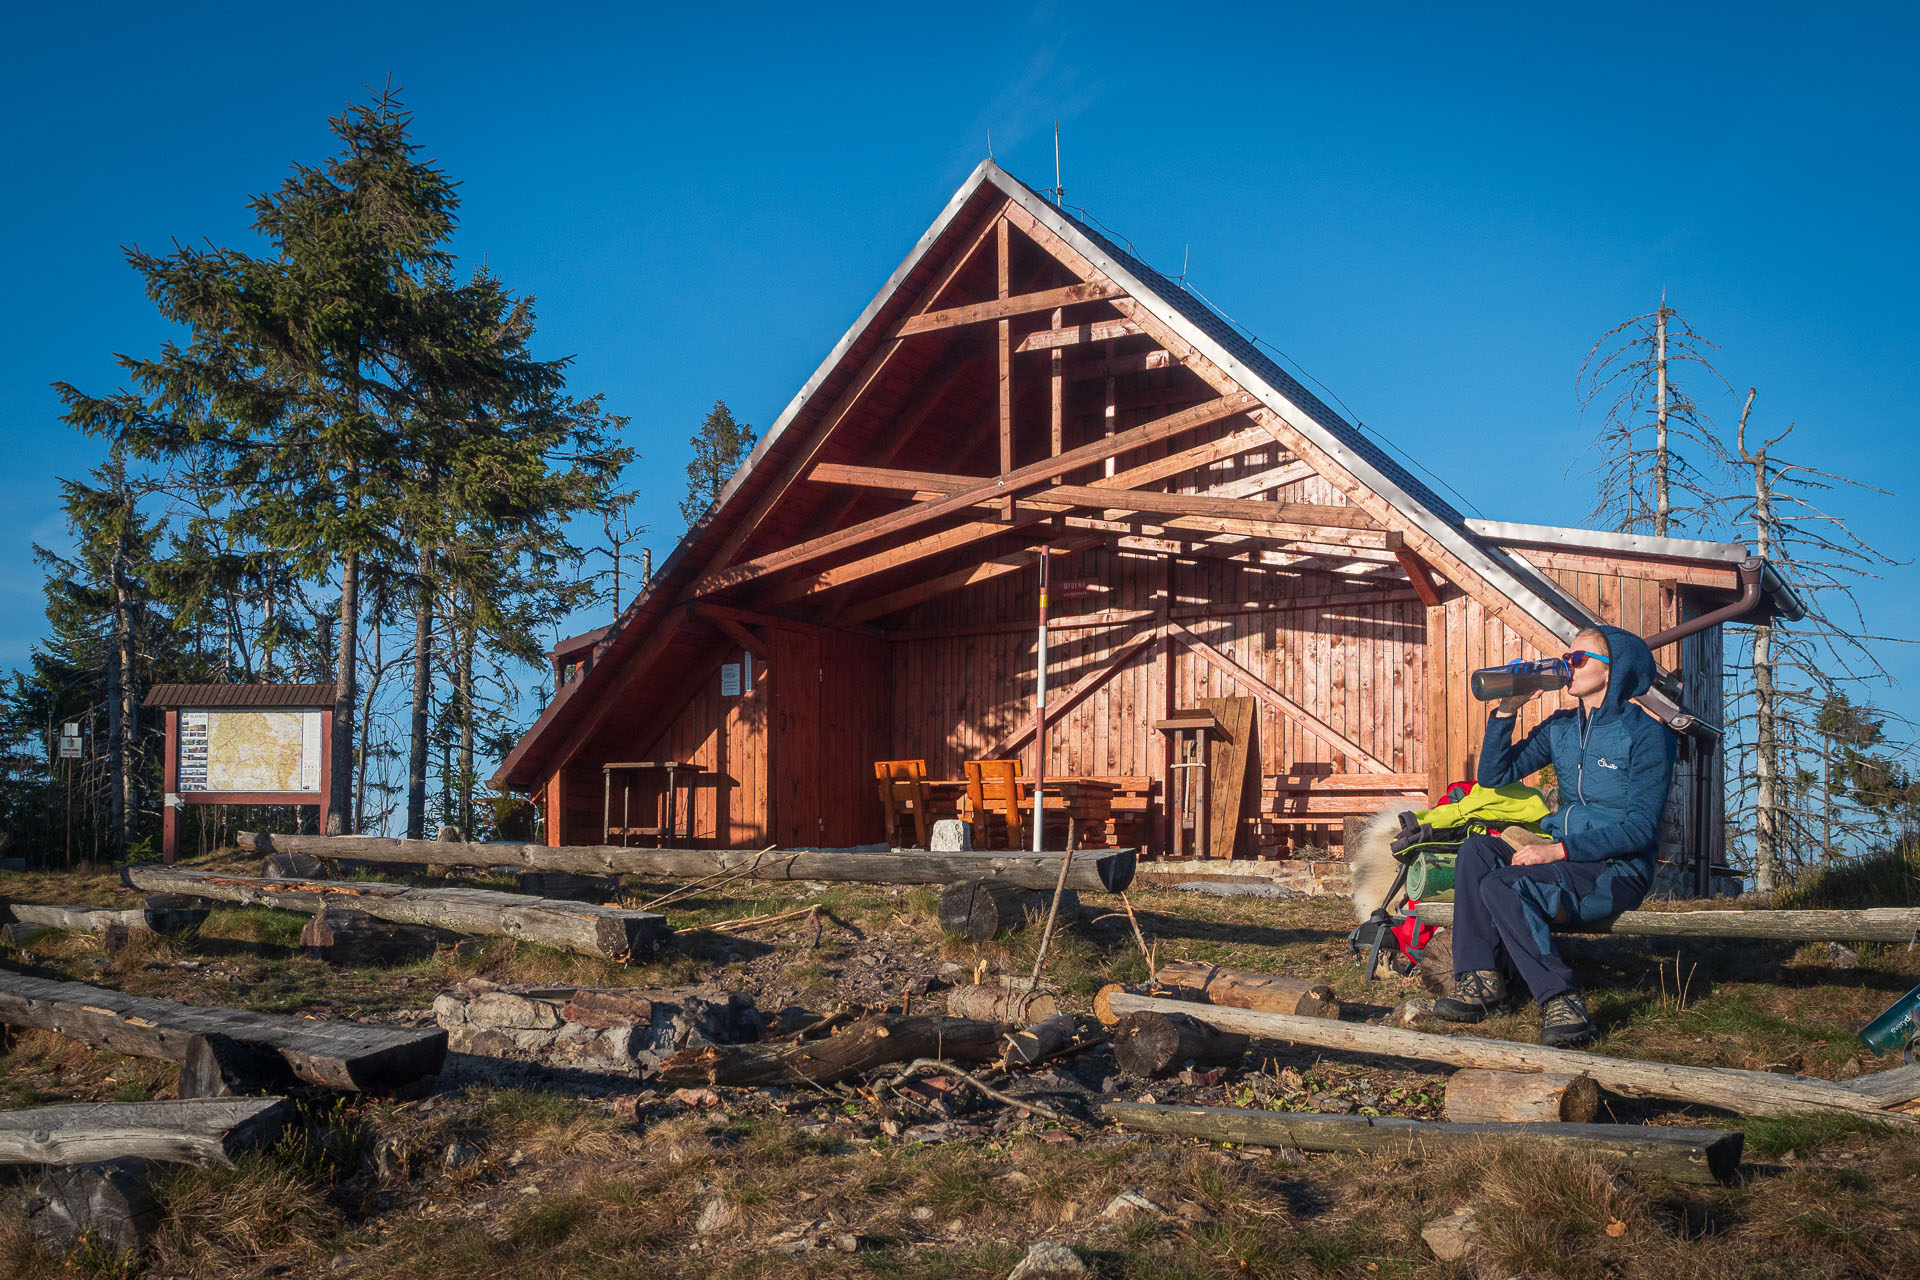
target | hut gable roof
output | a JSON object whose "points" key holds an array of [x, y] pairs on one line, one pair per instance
{"points": [[876, 377]]}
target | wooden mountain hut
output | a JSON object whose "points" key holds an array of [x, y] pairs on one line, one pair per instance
{"points": [[1223, 549]]}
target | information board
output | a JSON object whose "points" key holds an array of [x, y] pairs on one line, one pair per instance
{"points": [[266, 751]]}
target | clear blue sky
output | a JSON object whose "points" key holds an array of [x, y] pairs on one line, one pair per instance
{"points": [[1435, 211]]}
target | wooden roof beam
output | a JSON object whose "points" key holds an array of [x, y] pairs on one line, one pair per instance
{"points": [[958, 580], [999, 487], [1005, 308], [1074, 335]]}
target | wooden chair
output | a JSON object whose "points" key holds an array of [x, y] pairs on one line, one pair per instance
{"points": [[903, 794], [993, 787]]}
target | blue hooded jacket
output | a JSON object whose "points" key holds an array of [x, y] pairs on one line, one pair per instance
{"points": [[1615, 766]]}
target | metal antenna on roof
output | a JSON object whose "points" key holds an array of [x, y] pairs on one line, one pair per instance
{"points": [[1059, 192], [989, 144]]}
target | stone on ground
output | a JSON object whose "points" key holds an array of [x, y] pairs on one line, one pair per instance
{"points": [[1453, 1238], [1048, 1260]]}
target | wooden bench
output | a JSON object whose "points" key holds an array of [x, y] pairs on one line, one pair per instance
{"points": [[1308, 806]]}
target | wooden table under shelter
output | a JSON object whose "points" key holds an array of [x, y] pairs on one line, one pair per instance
{"points": [[666, 826]]}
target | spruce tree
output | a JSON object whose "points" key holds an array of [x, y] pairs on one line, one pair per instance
{"points": [[719, 447], [293, 373]]}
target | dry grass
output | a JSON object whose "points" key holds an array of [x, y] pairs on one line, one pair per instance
{"points": [[560, 1186]]}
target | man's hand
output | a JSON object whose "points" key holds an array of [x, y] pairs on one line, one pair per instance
{"points": [[1511, 706], [1539, 855]]}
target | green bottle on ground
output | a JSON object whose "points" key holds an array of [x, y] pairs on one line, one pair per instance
{"points": [[1893, 1030]]}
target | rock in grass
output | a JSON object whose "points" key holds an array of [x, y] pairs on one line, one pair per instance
{"points": [[1048, 1260], [1453, 1238], [715, 1214]]}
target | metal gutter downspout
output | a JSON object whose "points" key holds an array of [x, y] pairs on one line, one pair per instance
{"points": [[1752, 571]]}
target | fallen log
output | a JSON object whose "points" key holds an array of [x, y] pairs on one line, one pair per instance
{"points": [[852, 1050], [190, 1131], [218, 1066], [1246, 989], [994, 1003], [1103, 998], [1476, 1095], [1092, 870], [1891, 1088], [109, 1204], [1757, 1093], [1158, 1044], [1042, 1040], [1874, 924], [159, 914], [338, 1055], [982, 908], [1681, 1155], [607, 932]]}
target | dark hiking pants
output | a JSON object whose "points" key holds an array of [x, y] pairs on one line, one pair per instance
{"points": [[1506, 911]]}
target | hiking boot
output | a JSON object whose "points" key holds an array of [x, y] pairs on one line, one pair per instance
{"points": [[1564, 1023], [1476, 993]]}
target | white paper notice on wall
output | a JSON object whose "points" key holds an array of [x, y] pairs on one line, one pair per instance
{"points": [[310, 748], [729, 679]]}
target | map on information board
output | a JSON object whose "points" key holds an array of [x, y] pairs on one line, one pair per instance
{"points": [[250, 751]]}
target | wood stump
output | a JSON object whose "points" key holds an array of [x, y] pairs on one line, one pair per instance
{"points": [[353, 937], [994, 1003], [282, 865], [1477, 1095], [982, 908], [219, 1066], [1159, 1044], [108, 1202], [1246, 989]]}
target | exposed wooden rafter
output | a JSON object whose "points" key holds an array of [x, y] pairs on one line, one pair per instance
{"points": [[1419, 575], [1004, 308], [1007, 485], [1074, 335]]}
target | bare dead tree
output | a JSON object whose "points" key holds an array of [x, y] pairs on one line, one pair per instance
{"points": [[1652, 431], [1796, 669]]}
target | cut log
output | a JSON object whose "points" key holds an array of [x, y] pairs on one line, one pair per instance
{"points": [[1479, 1096], [338, 1055], [1682, 1155], [1103, 998], [607, 932], [1875, 924], [982, 908], [852, 1050], [995, 1003], [1246, 989], [1159, 1044], [195, 1131], [108, 1203], [343, 936], [1040, 1041], [163, 916], [1092, 870], [1757, 1093]]}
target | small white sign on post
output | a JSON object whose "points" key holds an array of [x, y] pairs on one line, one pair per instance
{"points": [[70, 748], [729, 679], [72, 729]]}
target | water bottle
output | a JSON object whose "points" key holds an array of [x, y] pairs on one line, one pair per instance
{"points": [[1893, 1030], [1491, 683]]}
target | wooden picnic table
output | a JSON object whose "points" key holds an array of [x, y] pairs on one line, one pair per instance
{"points": [[1085, 802], [667, 824]]}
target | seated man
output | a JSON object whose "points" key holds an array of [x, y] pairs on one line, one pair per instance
{"points": [[1614, 763]]}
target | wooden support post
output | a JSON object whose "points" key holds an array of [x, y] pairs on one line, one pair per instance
{"points": [[1438, 673], [1005, 350], [326, 767], [170, 800], [1056, 367]]}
